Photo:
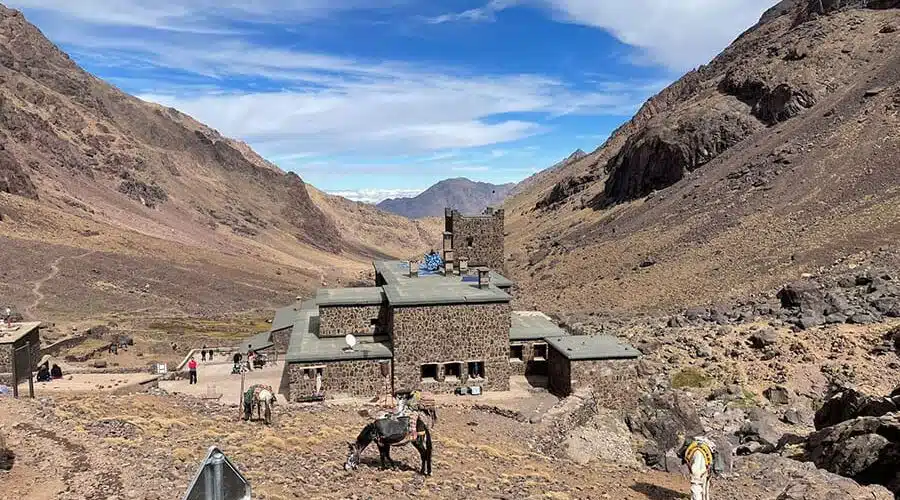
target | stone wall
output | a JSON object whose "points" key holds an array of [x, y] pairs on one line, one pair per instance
{"points": [[281, 339], [486, 234], [361, 378], [528, 365], [451, 334], [6, 351], [614, 382], [559, 378], [337, 321], [5, 358]]}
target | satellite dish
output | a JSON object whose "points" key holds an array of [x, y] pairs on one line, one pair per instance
{"points": [[350, 340]]}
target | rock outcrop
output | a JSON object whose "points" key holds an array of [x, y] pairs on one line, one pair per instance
{"points": [[865, 449], [850, 403]]}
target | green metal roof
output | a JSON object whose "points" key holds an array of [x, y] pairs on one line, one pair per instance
{"points": [[592, 347], [16, 331], [307, 347], [443, 293], [361, 296], [529, 325], [433, 289], [257, 342], [285, 317]]}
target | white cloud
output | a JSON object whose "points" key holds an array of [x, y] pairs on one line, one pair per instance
{"points": [[677, 34], [189, 54], [485, 13], [194, 16], [373, 195]]}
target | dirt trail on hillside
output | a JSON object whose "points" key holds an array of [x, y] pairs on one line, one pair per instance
{"points": [[36, 287]]}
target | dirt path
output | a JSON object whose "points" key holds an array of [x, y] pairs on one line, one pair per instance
{"points": [[36, 288]]}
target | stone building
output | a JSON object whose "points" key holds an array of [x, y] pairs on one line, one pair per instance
{"points": [[598, 361], [15, 337], [477, 239], [417, 330]]}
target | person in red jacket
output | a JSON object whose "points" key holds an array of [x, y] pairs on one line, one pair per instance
{"points": [[192, 370]]}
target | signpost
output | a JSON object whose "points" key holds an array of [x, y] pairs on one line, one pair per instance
{"points": [[218, 479]]}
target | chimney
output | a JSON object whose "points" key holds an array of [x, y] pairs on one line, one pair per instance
{"points": [[448, 240], [413, 268], [448, 219], [463, 265], [484, 277]]}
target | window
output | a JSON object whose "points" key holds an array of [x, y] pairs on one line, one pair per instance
{"points": [[307, 374], [452, 371], [470, 242], [476, 369], [429, 373], [515, 353], [318, 372], [540, 352]]}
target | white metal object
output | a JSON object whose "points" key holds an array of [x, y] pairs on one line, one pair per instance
{"points": [[218, 479]]}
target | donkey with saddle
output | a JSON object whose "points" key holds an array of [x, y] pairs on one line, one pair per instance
{"points": [[399, 428]]}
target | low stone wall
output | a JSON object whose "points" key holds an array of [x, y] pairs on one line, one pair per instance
{"points": [[281, 339], [361, 378], [67, 343], [337, 321]]}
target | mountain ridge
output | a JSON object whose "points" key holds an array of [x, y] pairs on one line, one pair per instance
{"points": [[737, 177], [460, 193], [85, 165]]}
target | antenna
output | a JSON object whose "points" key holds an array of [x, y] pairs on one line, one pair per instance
{"points": [[350, 340]]}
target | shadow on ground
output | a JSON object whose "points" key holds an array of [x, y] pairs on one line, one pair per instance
{"points": [[658, 492]]}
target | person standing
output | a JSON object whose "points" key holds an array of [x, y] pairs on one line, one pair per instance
{"points": [[192, 370], [203, 353], [251, 356]]}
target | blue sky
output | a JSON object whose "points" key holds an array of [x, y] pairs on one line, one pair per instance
{"points": [[371, 99]]}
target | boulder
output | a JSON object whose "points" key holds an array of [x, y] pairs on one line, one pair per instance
{"points": [[786, 479], [604, 438], [660, 417], [778, 395], [849, 404], [862, 319], [806, 297], [808, 321], [676, 322], [865, 449], [888, 306], [763, 338], [792, 416], [835, 304], [761, 428]]}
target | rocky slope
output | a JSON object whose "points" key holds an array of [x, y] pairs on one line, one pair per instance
{"points": [[467, 196], [776, 159], [86, 166]]}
